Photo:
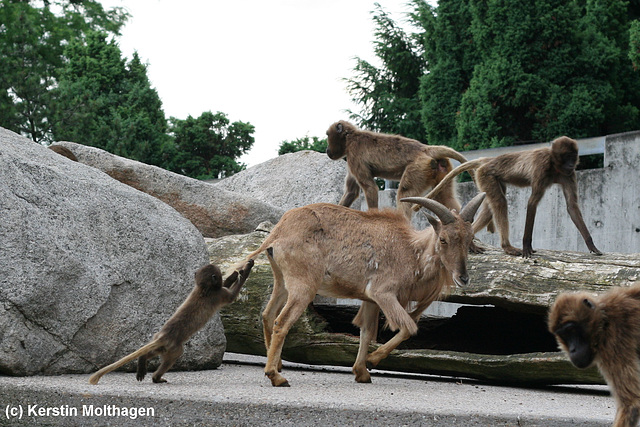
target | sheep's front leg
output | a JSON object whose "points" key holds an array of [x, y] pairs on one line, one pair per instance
{"points": [[384, 350], [398, 318], [295, 306], [367, 321]]}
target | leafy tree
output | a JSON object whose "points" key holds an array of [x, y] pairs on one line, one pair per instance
{"points": [[306, 143], [451, 56], [389, 95], [104, 102], [508, 71], [634, 44], [32, 42], [208, 146]]}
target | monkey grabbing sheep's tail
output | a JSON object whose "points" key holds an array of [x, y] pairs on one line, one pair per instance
{"points": [[265, 246], [148, 348], [468, 166]]}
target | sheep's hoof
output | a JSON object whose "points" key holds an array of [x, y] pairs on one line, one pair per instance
{"points": [[277, 380], [362, 375], [363, 379], [371, 364]]}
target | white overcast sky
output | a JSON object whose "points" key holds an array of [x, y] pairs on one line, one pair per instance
{"points": [[276, 64]]}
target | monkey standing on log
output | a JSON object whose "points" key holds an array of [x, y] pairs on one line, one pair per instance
{"points": [[538, 169], [417, 166], [604, 329], [206, 298]]}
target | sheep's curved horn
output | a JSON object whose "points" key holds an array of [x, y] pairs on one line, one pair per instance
{"points": [[445, 215], [469, 211]]}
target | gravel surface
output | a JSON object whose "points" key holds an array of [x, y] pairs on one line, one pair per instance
{"points": [[238, 394]]}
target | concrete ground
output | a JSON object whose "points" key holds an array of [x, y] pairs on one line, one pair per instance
{"points": [[238, 394]]}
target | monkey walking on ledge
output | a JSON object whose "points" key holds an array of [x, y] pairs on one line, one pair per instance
{"points": [[418, 167], [538, 169], [207, 297], [604, 329]]}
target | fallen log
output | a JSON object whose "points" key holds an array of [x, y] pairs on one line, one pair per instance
{"points": [[499, 334]]}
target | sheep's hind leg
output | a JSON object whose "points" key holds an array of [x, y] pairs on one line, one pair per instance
{"points": [[367, 321], [274, 306], [295, 306]]}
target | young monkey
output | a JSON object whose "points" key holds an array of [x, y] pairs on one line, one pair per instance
{"points": [[207, 297]]}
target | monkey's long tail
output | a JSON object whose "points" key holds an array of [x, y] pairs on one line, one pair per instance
{"points": [[472, 164], [153, 345], [440, 151]]}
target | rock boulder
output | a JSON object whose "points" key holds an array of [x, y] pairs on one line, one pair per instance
{"points": [[292, 180], [89, 268], [213, 210]]}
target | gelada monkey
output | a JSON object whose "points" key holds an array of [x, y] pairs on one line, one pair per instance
{"points": [[207, 297], [417, 166], [538, 169], [604, 329]]}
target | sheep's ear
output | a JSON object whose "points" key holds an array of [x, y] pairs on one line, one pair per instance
{"points": [[435, 223]]}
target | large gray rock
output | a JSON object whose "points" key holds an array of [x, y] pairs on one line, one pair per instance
{"points": [[89, 268], [292, 180], [213, 210]]}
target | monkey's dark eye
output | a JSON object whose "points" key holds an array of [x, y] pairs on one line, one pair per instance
{"points": [[588, 303], [566, 330], [443, 241]]}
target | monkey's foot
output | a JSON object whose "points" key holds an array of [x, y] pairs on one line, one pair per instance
{"points": [[158, 380], [510, 250], [362, 375], [140, 377]]}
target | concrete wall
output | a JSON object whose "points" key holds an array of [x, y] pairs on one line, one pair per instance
{"points": [[609, 201]]}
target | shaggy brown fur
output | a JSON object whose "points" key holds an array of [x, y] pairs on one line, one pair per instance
{"points": [[206, 298], [538, 169], [604, 329], [375, 256], [417, 166], [63, 151]]}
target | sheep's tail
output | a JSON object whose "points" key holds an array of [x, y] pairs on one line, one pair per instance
{"points": [[253, 255]]}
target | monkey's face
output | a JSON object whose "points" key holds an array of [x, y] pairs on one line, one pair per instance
{"points": [[568, 163], [571, 320], [565, 155], [209, 277], [575, 342], [336, 141]]}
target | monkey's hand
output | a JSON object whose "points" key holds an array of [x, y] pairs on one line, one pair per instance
{"points": [[476, 248], [247, 269], [239, 277]]}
